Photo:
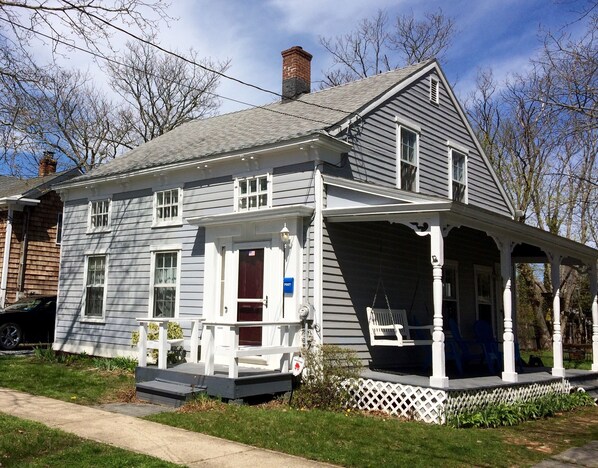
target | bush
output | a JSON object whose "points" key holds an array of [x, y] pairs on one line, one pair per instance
{"points": [[328, 378], [174, 332], [496, 415]]}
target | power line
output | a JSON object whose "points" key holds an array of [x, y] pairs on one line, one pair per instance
{"points": [[193, 62], [117, 62]]}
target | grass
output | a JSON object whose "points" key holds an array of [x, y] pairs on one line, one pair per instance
{"points": [[345, 438], [356, 439], [547, 360], [26, 443], [78, 381]]}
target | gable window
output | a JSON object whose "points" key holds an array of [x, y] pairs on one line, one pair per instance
{"points": [[253, 193], [457, 173], [94, 296], [408, 155], [450, 298], [99, 215], [434, 90], [165, 283], [167, 207]]}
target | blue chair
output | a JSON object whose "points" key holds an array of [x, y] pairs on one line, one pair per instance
{"points": [[459, 350], [485, 337]]}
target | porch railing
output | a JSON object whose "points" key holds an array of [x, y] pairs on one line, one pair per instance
{"points": [[234, 351], [163, 344]]}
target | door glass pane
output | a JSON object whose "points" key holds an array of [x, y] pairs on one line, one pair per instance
{"points": [[251, 286]]}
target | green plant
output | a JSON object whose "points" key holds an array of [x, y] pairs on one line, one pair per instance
{"points": [[174, 332], [118, 363], [496, 415], [328, 378]]}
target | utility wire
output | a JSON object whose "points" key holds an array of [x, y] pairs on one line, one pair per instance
{"points": [[117, 62], [193, 62]]}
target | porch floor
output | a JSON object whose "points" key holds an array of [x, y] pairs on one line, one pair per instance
{"points": [[531, 375]]}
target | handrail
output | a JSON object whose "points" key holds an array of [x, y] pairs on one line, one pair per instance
{"points": [[234, 349], [163, 345]]}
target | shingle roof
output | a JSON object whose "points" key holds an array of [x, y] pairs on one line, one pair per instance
{"points": [[34, 187], [281, 121]]}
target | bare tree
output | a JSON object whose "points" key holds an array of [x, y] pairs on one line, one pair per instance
{"points": [[163, 91], [375, 46]]}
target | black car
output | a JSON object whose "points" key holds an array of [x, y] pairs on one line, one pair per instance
{"points": [[29, 320]]}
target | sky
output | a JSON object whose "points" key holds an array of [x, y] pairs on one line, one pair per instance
{"points": [[501, 34], [497, 34]]}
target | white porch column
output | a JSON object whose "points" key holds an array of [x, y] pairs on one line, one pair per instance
{"points": [[558, 370], [438, 378], [509, 374], [594, 296], [6, 257]]}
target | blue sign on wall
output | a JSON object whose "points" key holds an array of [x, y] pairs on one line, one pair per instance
{"points": [[288, 285]]}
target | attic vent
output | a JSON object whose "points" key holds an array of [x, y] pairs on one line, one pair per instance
{"points": [[434, 90]]}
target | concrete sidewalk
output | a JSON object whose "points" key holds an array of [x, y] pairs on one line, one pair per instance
{"points": [[576, 456], [137, 435]]}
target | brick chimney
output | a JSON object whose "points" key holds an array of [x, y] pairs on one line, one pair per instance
{"points": [[47, 164], [296, 73]]}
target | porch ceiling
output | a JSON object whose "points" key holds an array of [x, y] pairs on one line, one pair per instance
{"points": [[531, 244]]}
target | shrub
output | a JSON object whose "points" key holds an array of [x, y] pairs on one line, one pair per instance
{"points": [[174, 332], [502, 414], [328, 378], [119, 363]]}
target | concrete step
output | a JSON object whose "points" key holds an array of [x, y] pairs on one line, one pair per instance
{"points": [[167, 392]]}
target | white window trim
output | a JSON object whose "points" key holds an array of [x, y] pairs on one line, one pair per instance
{"points": [[178, 221], [454, 265], [465, 152], [252, 176], [154, 249], [92, 230], [83, 317], [414, 128], [434, 86]]}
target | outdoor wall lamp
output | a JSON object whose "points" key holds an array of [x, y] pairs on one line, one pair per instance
{"points": [[285, 235]]}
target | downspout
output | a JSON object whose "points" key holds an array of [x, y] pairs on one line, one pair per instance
{"points": [[23, 260], [318, 253], [5, 260]]}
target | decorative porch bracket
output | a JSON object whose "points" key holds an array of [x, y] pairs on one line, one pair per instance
{"points": [[506, 270], [594, 296], [558, 369]]}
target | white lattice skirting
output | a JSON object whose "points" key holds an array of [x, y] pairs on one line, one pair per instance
{"points": [[434, 405]]}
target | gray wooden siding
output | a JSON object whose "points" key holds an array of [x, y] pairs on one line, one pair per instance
{"points": [[128, 247], [356, 255], [373, 158]]}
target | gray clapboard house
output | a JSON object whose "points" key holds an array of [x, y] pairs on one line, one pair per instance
{"points": [[252, 227]]}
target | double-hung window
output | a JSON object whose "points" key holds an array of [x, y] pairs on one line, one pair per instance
{"points": [[458, 173], [165, 283], [253, 193], [167, 207], [408, 155], [94, 296], [99, 215]]}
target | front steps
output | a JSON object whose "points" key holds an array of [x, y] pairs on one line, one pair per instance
{"points": [[588, 382], [167, 392]]}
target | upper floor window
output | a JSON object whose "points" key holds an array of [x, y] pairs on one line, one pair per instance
{"points": [[408, 157], [434, 90], [253, 193], [99, 215], [167, 207], [458, 176], [94, 302]]}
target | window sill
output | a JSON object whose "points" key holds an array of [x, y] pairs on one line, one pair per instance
{"points": [[168, 224], [98, 231], [97, 321]]}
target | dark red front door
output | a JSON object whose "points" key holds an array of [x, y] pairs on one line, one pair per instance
{"points": [[250, 302]]}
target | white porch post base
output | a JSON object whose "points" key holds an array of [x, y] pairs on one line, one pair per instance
{"points": [[441, 382], [512, 377]]}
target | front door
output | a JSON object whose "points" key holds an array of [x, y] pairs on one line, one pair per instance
{"points": [[250, 295]]}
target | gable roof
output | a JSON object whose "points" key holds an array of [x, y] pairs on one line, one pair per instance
{"points": [[34, 187], [319, 112]]}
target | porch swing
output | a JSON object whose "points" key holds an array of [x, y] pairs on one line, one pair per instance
{"points": [[390, 327]]}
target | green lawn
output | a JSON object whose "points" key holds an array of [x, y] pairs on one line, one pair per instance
{"points": [[26, 443], [547, 360], [347, 438]]}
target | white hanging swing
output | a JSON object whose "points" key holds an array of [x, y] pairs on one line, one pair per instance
{"points": [[390, 327]]}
